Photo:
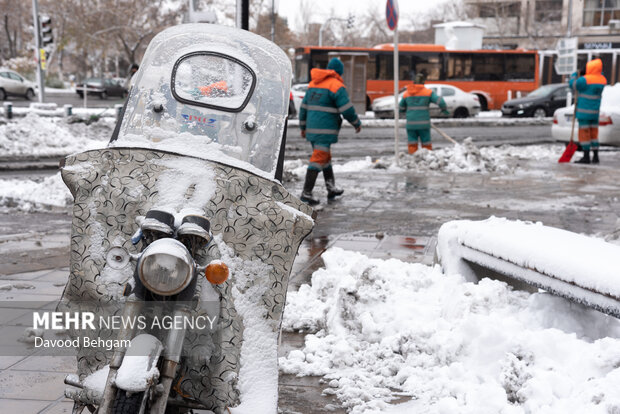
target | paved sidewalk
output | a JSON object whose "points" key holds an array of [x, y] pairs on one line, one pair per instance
{"points": [[383, 214]]}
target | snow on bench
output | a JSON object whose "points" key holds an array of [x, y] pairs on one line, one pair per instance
{"points": [[580, 268]]}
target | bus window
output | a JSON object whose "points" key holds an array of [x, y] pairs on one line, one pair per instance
{"points": [[385, 68], [488, 66], [319, 59], [302, 71], [405, 67], [459, 67], [429, 65], [520, 68], [371, 67]]}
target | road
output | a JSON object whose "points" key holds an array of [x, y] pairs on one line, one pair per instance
{"points": [[67, 98], [374, 142], [377, 142]]}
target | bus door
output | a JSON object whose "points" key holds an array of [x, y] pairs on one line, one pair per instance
{"points": [[354, 77]]}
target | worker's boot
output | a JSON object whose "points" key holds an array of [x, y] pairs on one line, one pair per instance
{"points": [[411, 148], [428, 146], [585, 159], [595, 156], [330, 183], [306, 195]]}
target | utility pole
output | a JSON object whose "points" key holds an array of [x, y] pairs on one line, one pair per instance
{"points": [[273, 21], [243, 14], [39, 50]]}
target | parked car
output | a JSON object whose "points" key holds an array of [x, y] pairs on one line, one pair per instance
{"points": [[14, 84], [609, 119], [299, 91], [539, 103], [460, 103], [102, 87]]}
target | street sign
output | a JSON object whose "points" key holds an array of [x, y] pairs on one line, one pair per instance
{"points": [[391, 13], [566, 62]]}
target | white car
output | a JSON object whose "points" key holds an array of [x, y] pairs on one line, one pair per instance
{"points": [[609, 119], [13, 84], [460, 103], [299, 91]]}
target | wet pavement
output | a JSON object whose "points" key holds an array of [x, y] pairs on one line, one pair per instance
{"points": [[382, 214]]}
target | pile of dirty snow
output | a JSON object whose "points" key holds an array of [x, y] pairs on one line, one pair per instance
{"points": [[35, 135], [384, 327], [467, 157], [35, 195]]}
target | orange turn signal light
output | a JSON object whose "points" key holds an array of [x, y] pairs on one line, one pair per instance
{"points": [[217, 272]]}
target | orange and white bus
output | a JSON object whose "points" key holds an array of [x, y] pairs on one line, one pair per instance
{"points": [[493, 75]]}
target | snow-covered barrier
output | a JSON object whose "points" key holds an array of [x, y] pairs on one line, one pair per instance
{"points": [[579, 268]]}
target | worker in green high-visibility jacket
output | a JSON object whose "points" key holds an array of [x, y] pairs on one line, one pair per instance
{"points": [[415, 103]]}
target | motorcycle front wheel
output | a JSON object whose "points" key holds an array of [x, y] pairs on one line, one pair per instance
{"points": [[127, 403]]}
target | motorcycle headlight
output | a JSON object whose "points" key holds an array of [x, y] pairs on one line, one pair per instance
{"points": [[166, 267]]}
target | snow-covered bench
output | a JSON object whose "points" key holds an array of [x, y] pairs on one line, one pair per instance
{"points": [[576, 267]]}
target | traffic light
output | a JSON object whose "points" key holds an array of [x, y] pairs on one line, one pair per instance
{"points": [[350, 21], [45, 30]]}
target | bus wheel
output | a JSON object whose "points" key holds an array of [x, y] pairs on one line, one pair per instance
{"points": [[484, 106]]}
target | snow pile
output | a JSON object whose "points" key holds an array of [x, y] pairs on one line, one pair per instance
{"points": [[34, 135], [467, 157], [34, 195], [581, 260], [385, 327]]}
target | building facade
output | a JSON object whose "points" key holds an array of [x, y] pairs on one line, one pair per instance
{"points": [[539, 24]]}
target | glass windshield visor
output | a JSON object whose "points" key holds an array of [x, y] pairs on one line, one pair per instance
{"points": [[212, 80]]}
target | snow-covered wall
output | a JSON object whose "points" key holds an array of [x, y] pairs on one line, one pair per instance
{"points": [[576, 266]]}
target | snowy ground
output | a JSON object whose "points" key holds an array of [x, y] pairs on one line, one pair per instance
{"points": [[381, 329], [385, 328]]}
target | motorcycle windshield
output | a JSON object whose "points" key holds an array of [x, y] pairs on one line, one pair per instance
{"points": [[205, 91]]}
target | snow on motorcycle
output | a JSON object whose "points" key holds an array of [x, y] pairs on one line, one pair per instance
{"points": [[183, 218]]}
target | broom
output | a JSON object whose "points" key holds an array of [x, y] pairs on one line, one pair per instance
{"points": [[571, 147], [443, 134]]}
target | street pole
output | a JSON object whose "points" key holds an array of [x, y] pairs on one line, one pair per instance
{"points": [[569, 19], [273, 21], [396, 111], [38, 51]]}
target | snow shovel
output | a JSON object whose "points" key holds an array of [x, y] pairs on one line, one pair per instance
{"points": [[571, 147], [443, 134]]}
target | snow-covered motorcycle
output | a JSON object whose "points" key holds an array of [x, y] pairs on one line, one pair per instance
{"points": [[182, 217]]}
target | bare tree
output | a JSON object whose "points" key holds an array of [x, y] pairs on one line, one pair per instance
{"points": [[15, 19]]}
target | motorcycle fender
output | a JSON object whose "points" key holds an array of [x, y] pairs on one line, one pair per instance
{"points": [[138, 370]]}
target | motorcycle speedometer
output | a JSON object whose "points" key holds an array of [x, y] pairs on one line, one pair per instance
{"points": [[166, 267]]}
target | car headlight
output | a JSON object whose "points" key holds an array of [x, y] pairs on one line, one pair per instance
{"points": [[166, 267], [524, 105]]}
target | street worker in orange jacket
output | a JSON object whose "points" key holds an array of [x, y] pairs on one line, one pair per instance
{"points": [[589, 91], [416, 102], [325, 101]]}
